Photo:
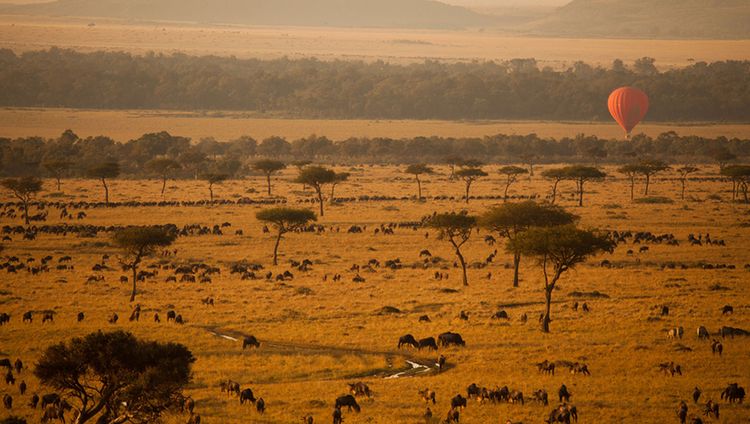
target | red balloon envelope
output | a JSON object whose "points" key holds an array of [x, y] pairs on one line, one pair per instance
{"points": [[628, 106]]}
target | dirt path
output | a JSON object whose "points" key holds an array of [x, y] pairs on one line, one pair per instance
{"points": [[412, 366]]}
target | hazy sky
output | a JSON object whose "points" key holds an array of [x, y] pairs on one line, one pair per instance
{"points": [[485, 3]]}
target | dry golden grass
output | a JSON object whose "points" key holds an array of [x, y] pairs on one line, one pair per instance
{"points": [[23, 33], [314, 342], [128, 125]]}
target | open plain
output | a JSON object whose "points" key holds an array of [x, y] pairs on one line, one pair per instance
{"points": [[317, 335]]}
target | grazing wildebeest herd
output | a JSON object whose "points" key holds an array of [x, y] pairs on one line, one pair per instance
{"points": [[365, 318]]}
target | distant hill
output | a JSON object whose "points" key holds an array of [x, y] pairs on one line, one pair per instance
{"points": [[648, 19], [346, 13]]}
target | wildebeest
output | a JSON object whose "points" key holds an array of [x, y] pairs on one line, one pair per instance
{"points": [[178, 319], [360, 389], [546, 367], [448, 338], [696, 394], [81, 316], [50, 399], [260, 406], [407, 339], [188, 405], [230, 387], [18, 365], [337, 419], [171, 315], [731, 332], [675, 333], [682, 410], [28, 316], [250, 341], [113, 319], [702, 332], [4, 318], [564, 394], [194, 419], [733, 393], [717, 347], [8, 401], [428, 342], [9, 379], [34, 401], [670, 368], [424, 318], [427, 395], [500, 315], [473, 391], [441, 363], [246, 395], [22, 387], [48, 316], [5, 362], [349, 401], [458, 401], [727, 309], [453, 416], [516, 396], [711, 409], [541, 397], [563, 414]]}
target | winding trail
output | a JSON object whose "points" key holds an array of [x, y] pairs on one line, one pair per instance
{"points": [[412, 366]]}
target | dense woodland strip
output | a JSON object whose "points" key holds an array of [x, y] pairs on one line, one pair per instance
{"points": [[517, 89], [71, 155]]}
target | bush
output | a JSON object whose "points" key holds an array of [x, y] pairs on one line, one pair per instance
{"points": [[654, 200]]}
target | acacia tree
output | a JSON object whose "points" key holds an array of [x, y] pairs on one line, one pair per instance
{"points": [[268, 167], [340, 178], [511, 175], [138, 243], [650, 168], [740, 176], [24, 188], [193, 160], [457, 229], [631, 171], [212, 179], [722, 156], [163, 167], [316, 177], [684, 172], [417, 170], [57, 168], [469, 175], [558, 249], [581, 175], [529, 159], [103, 172], [285, 220], [116, 377], [453, 162], [511, 219], [556, 175]]}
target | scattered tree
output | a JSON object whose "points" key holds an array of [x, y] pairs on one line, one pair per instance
{"points": [[316, 177], [138, 243], [650, 168], [511, 174], [214, 179], [116, 376], [457, 228], [556, 175], [582, 174], [684, 172], [469, 175], [24, 188], [193, 160], [285, 220], [511, 219], [163, 167], [340, 178], [740, 176], [558, 249], [529, 159], [453, 162], [722, 156], [417, 170], [631, 171], [57, 168], [268, 167], [103, 172]]}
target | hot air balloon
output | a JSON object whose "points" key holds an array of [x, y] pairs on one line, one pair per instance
{"points": [[628, 106]]}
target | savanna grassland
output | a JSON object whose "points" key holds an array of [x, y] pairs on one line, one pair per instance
{"points": [[318, 335], [228, 125]]}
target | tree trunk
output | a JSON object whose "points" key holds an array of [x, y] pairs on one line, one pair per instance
{"points": [[106, 192], [648, 180], [163, 185], [26, 211], [419, 188], [554, 191], [632, 188], [468, 185], [333, 191], [320, 198], [682, 191], [135, 282], [276, 249], [58, 183], [547, 304], [516, 263], [211, 192], [268, 181], [505, 194], [580, 192], [463, 265]]}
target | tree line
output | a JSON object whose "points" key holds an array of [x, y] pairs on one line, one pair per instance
{"points": [[514, 89], [164, 155]]}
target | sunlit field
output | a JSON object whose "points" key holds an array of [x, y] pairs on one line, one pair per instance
{"points": [[128, 125], [23, 33], [317, 335]]}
